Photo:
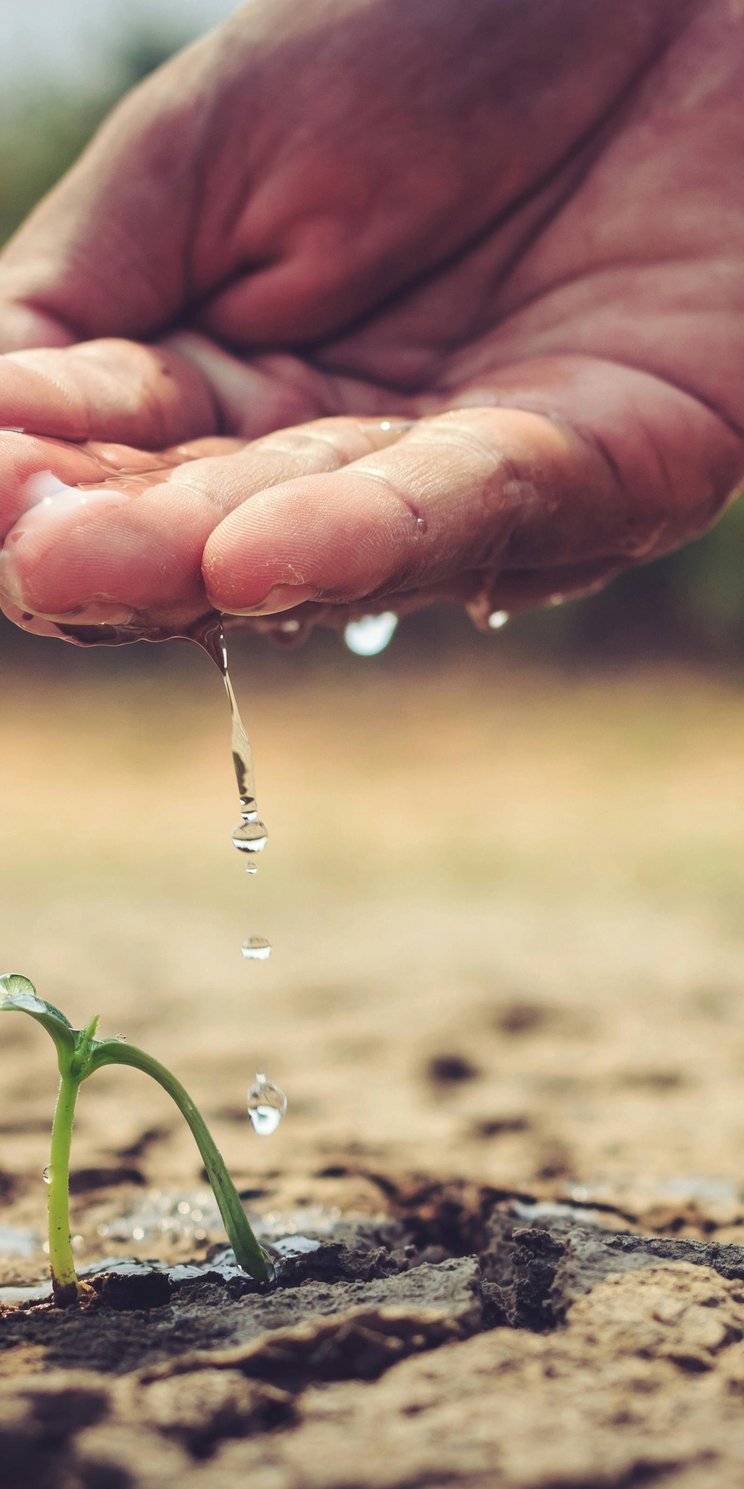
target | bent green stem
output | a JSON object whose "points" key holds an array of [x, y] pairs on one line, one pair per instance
{"points": [[248, 1253], [79, 1053], [61, 1264]]}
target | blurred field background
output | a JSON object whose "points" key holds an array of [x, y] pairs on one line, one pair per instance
{"points": [[523, 851]]}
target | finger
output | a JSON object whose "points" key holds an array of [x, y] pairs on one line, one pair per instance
{"points": [[135, 540], [453, 494], [619, 467], [31, 466], [106, 390], [51, 494], [23, 459], [150, 396]]}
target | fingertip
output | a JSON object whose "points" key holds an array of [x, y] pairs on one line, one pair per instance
{"points": [[335, 537], [256, 559], [280, 597]]}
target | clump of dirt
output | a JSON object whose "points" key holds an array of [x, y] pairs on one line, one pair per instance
{"points": [[450, 1069], [534, 1272]]}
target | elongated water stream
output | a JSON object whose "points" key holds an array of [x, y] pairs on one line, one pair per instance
{"points": [[250, 835]]}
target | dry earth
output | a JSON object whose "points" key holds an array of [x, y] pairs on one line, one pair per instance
{"points": [[505, 1003]]}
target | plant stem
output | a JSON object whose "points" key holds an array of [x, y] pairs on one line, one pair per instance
{"points": [[61, 1264], [248, 1253]]}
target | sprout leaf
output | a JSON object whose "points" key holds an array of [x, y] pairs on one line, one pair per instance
{"points": [[18, 995]]}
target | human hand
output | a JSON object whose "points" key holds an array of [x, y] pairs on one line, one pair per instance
{"points": [[519, 227]]}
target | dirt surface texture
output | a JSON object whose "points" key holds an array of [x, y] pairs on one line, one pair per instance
{"points": [[505, 1003]]}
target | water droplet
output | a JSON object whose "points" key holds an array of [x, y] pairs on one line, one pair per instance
{"points": [[251, 868], [250, 837], [287, 631], [480, 607], [556, 600], [421, 526], [267, 1105], [256, 949], [395, 426], [47, 1175], [265, 1119], [370, 635]]}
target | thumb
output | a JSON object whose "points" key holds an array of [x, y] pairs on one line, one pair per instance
{"points": [[22, 325], [103, 253]]}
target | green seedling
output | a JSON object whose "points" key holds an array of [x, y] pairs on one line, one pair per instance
{"points": [[79, 1055]]}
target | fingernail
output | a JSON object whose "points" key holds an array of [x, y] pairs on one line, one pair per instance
{"points": [[281, 597], [45, 493], [100, 613], [10, 587], [45, 500], [97, 612]]}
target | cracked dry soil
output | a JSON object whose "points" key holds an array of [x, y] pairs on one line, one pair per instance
{"points": [[514, 1063], [554, 1354]]}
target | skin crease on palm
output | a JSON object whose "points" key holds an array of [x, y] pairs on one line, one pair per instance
{"points": [[374, 304]]}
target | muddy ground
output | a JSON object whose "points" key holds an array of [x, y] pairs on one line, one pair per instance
{"points": [[505, 1002]]}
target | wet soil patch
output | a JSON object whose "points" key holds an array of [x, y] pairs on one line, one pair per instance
{"points": [[465, 1255]]}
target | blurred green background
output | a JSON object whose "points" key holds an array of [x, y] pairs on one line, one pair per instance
{"points": [[61, 71]]}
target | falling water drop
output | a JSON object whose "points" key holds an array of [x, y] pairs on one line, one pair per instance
{"points": [[267, 1105], [250, 836], [482, 609], [370, 635], [256, 949]]}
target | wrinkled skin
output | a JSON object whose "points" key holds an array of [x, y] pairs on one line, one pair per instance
{"points": [[389, 302]]}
